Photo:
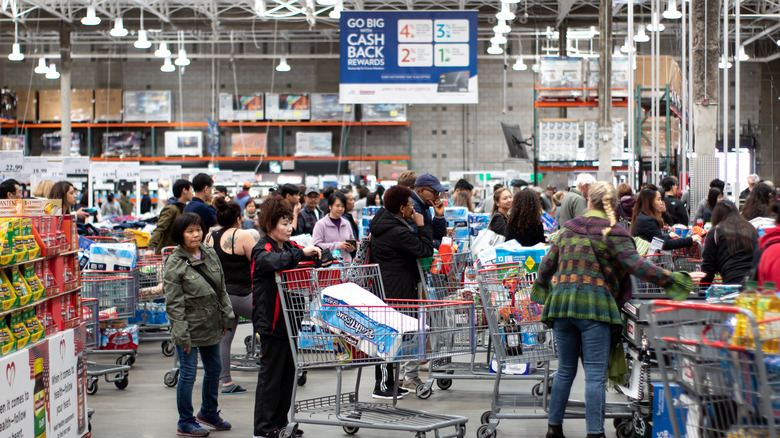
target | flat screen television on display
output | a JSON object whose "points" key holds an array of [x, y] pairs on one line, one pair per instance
{"points": [[287, 106], [327, 107], [241, 106], [383, 112], [514, 140]]}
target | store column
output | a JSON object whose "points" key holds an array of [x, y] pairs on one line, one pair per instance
{"points": [[605, 90], [65, 89], [704, 63]]}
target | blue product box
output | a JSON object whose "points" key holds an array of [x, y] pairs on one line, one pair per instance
{"points": [[662, 422], [478, 222], [549, 222]]}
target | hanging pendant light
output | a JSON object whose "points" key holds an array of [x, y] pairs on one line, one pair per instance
{"points": [[641, 36], [16, 49], [505, 13], [519, 65], [498, 39], [142, 42], [335, 13], [42, 68], [502, 27], [655, 24], [91, 19], [742, 56], [118, 30], [162, 50], [167, 67], [495, 49], [283, 65], [53, 73], [671, 12]]}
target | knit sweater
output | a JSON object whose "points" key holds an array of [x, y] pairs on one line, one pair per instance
{"points": [[582, 291]]}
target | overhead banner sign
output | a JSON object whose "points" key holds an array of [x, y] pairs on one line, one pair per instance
{"points": [[408, 57]]}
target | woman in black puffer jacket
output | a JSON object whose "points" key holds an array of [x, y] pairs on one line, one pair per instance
{"points": [[646, 221], [395, 247]]}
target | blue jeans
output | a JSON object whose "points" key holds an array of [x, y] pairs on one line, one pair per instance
{"points": [[594, 338], [188, 366]]}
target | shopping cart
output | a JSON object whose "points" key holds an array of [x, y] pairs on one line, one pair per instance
{"points": [[688, 259], [113, 373], [719, 376], [150, 307], [115, 293], [367, 335], [523, 342]]}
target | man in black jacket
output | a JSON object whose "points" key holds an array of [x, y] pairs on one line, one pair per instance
{"points": [[674, 206], [395, 247]]}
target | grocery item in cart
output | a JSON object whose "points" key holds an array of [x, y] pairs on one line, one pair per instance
{"points": [[123, 338], [112, 257], [365, 321]]}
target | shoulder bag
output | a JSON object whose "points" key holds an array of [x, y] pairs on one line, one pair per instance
{"points": [[486, 239]]}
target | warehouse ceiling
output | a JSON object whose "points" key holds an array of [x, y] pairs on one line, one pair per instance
{"points": [[260, 22]]}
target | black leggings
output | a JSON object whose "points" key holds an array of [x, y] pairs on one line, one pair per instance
{"points": [[275, 383]]}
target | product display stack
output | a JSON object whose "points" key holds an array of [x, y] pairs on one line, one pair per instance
{"points": [[41, 327]]}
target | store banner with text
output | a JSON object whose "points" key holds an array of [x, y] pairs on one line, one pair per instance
{"points": [[408, 57]]}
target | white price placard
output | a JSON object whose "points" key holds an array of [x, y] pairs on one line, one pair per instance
{"points": [[76, 165], [170, 173], [451, 55], [415, 55], [37, 167], [128, 171], [415, 31], [451, 31], [103, 171], [12, 162]]}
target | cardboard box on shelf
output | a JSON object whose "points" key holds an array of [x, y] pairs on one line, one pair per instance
{"points": [[108, 105], [50, 106], [26, 105], [674, 130], [668, 73], [391, 169], [556, 72], [248, 144], [558, 139]]}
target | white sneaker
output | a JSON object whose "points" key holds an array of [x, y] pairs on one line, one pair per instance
{"points": [[412, 384]]}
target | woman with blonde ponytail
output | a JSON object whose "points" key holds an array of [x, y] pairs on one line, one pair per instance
{"points": [[593, 260]]}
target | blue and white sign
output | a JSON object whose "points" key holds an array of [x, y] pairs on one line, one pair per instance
{"points": [[408, 57]]}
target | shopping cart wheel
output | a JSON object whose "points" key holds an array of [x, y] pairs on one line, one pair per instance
{"points": [[288, 432], [350, 430], [248, 344], [122, 384], [168, 349], [625, 429], [171, 378], [444, 384], [461, 430], [420, 435], [92, 386], [125, 359], [482, 432], [485, 418], [423, 393], [302, 379]]}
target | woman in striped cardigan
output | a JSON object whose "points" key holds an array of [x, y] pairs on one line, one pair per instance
{"points": [[592, 261]]}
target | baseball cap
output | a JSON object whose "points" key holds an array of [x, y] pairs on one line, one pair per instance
{"points": [[426, 179], [312, 189], [247, 185], [519, 183]]}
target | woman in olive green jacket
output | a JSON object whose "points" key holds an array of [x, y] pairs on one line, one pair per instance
{"points": [[199, 309]]}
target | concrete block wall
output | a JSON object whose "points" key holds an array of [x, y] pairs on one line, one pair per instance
{"points": [[444, 137]]}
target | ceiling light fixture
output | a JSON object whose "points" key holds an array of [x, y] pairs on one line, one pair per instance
{"points": [[182, 60], [16, 50], [283, 65], [495, 49], [671, 12], [335, 13], [162, 50], [142, 42], [167, 67], [502, 27], [260, 7], [53, 73], [498, 39], [505, 13], [627, 46], [723, 63], [118, 30], [641, 36], [91, 19], [519, 65], [42, 68], [327, 2], [742, 56], [655, 24]]}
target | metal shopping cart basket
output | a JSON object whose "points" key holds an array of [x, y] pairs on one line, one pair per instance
{"points": [[521, 340], [113, 373], [719, 368], [367, 335], [115, 292], [150, 307]]}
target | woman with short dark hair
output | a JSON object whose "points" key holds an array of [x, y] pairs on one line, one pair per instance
{"points": [[395, 247], [272, 253], [333, 231], [200, 313]]}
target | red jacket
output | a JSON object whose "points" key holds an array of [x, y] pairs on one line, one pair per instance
{"points": [[769, 266]]}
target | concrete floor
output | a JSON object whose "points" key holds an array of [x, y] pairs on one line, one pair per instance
{"points": [[147, 408]]}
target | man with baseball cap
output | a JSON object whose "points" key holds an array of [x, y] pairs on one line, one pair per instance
{"points": [[310, 213], [427, 192], [242, 197]]}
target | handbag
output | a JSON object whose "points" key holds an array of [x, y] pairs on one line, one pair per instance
{"points": [[486, 239]]}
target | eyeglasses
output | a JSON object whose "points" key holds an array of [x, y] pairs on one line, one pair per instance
{"points": [[435, 193]]}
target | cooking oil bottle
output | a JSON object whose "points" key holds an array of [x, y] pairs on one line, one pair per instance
{"points": [[768, 307], [743, 332]]}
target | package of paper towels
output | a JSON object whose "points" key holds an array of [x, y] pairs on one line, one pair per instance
{"points": [[112, 257], [363, 321]]}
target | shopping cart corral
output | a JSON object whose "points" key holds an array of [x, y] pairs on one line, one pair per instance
{"points": [[521, 340], [113, 373], [358, 334], [719, 369]]}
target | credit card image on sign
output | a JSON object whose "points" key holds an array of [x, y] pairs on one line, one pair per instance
{"points": [[454, 82]]}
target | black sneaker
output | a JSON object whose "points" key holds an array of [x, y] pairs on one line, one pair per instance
{"points": [[214, 421], [402, 391], [191, 429], [385, 395]]}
